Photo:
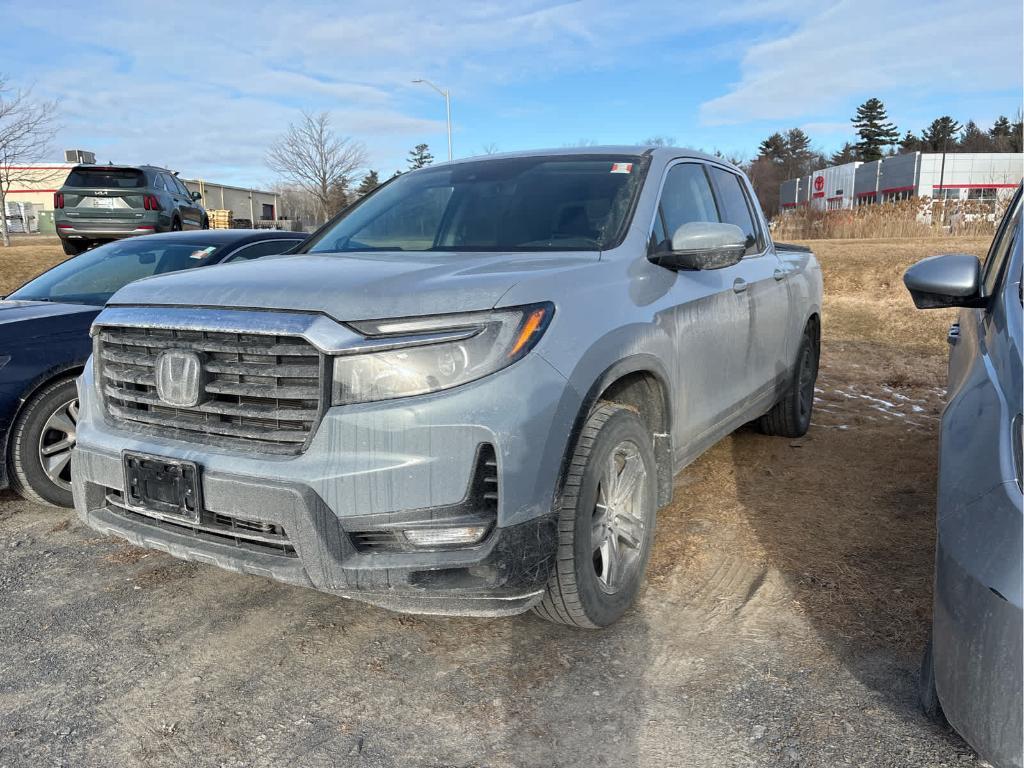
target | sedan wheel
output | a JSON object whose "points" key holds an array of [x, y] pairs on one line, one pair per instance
{"points": [[42, 441], [56, 442]]}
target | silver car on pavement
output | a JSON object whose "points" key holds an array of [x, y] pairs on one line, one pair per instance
{"points": [[469, 393]]}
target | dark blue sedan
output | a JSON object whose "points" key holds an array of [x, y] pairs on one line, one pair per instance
{"points": [[44, 342]]}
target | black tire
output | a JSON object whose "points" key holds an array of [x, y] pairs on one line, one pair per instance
{"points": [[175, 224], [791, 416], [927, 695], [72, 247], [37, 429], [206, 223], [575, 593]]}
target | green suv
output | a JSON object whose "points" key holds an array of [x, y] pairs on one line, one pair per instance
{"points": [[99, 203]]}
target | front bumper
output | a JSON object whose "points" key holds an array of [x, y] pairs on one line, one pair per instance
{"points": [[402, 460]]}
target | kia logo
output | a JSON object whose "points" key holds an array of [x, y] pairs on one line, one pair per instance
{"points": [[180, 379]]}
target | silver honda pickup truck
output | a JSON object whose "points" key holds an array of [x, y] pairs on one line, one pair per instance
{"points": [[468, 393]]}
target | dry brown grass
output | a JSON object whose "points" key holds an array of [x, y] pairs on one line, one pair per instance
{"points": [[26, 258], [913, 218]]}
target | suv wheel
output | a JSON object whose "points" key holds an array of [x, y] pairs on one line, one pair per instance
{"points": [[41, 443], [73, 247], [175, 224], [206, 223], [791, 416], [605, 523]]}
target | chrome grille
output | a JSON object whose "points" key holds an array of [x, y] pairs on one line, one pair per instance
{"points": [[259, 389]]}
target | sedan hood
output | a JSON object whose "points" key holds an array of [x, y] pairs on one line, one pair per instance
{"points": [[23, 311], [356, 286]]}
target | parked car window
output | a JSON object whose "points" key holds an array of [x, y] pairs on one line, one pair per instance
{"points": [[735, 207], [181, 186], [1000, 251], [106, 178], [685, 198], [264, 248], [513, 204], [93, 277]]}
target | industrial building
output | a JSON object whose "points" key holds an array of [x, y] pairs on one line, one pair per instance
{"points": [[982, 176], [30, 198]]}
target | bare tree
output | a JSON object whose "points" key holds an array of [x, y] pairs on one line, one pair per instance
{"points": [[314, 158], [26, 129], [490, 148]]}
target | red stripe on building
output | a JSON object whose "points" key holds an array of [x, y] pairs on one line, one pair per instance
{"points": [[896, 189], [789, 205], [30, 191], [865, 194], [974, 186], [42, 167], [837, 197], [819, 194]]}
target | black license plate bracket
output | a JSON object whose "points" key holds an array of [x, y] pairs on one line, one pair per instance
{"points": [[168, 487]]}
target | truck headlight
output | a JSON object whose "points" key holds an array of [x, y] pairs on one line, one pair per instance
{"points": [[474, 345]]}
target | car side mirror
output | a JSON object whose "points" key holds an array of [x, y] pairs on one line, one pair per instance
{"points": [[952, 280], [703, 245], [196, 197]]}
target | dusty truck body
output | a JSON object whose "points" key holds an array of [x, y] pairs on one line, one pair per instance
{"points": [[467, 394]]}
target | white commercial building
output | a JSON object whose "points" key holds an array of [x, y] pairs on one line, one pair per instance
{"points": [[982, 176]]}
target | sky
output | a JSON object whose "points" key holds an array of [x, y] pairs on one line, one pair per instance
{"points": [[205, 87]]}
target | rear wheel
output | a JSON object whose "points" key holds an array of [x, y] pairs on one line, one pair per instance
{"points": [[41, 444], [791, 416], [606, 521], [175, 225], [206, 223], [73, 247]]}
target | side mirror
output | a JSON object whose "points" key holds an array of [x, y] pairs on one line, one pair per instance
{"points": [[196, 197], [704, 245], [953, 280]]}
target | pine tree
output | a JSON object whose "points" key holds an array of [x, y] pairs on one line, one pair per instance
{"points": [[419, 156], [847, 154], [369, 183], [1016, 137], [940, 136], [1000, 128], [973, 139], [910, 143], [874, 129], [774, 148]]}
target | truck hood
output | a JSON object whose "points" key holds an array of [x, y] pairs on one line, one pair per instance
{"points": [[355, 286]]}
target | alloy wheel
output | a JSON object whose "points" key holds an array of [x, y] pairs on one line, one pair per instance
{"points": [[55, 444], [618, 523]]}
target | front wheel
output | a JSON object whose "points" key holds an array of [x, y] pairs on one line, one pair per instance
{"points": [[41, 444], [606, 521]]}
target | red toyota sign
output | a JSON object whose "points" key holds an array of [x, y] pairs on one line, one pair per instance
{"points": [[819, 183]]}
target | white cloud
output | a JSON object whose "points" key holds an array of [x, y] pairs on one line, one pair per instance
{"points": [[858, 48]]}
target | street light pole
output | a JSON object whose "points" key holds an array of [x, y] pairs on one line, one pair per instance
{"points": [[447, 109]]}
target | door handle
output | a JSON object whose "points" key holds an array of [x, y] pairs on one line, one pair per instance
{"points": [[780, 274], [954, 333], [739, 285]]}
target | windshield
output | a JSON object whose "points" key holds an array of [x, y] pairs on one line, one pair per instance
{"points": [[93, 277], [566, 203]]}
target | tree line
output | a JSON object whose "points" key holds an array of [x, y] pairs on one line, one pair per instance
{"points": [[789, 154]]}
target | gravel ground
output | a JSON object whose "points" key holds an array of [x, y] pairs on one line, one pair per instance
{"points": [[787, 604]]}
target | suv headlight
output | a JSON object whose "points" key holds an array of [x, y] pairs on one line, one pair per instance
{"points": [[452, 350]]}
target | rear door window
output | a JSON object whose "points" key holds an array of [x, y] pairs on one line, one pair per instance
{"points": [[735, 207], [1000, 251], [106, 178], [685, 198]]}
